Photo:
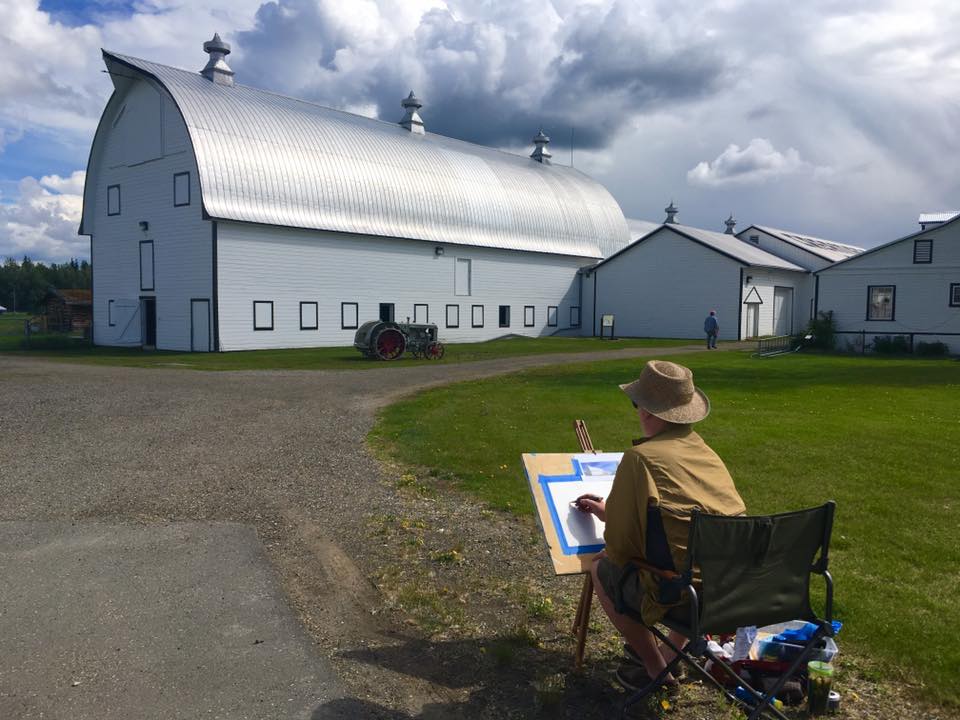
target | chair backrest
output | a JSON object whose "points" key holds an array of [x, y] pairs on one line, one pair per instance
{"points": [[755, 570]]}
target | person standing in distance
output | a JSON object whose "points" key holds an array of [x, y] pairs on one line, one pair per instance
{"points": [[711, 326], [658, 483]]}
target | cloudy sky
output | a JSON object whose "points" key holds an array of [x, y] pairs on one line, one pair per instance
{"points": [[838, 118]]}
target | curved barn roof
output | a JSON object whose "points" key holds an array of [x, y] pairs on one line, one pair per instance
{"points": [[267, 158]]}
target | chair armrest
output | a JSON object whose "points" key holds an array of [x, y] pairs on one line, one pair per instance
{"points": [[659, 572]]}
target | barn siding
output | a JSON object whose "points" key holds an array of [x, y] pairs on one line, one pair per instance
{"points": [[765, 280], [287, 266], [665, 286], [182, 239], [922, 291]]}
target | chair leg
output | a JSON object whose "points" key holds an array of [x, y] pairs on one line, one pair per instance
{"points": [[649, 687]]}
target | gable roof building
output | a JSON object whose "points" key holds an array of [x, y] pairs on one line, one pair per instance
{"points": [[808, 251]]}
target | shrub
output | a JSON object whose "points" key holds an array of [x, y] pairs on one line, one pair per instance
{"points": [[932, 349], [891, 344], [823, 329]]}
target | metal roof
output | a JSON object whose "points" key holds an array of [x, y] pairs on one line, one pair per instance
{"points": [[826, 249], [938, 217], [639, 228], [267, 158], [729, 245]]}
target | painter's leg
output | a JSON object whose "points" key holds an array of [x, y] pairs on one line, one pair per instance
{"points": [[636, 634]]}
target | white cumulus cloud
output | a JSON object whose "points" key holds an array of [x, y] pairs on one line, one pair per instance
{"points": [[43, 224], [756, 163]]}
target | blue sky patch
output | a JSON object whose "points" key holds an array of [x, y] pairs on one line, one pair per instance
{"points": [[93, 12], [44, 153]]}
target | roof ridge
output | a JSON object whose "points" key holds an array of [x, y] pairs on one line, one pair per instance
{"points": [[312, 103]]}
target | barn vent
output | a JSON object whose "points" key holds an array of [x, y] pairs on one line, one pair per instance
{"points": [[540, 152], [412, 120], [731, 224], [217, 69], [671, 211]]}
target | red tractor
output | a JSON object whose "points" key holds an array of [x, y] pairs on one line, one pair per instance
{"points": [[385, 340]]}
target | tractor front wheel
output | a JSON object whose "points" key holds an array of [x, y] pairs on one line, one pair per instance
{"points": [[434, 351]]}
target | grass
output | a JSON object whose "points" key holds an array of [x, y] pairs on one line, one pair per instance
{"points": [[62, 348], [880, 436]]}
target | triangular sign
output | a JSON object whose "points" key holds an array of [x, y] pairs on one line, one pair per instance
{"points": [[753, 297]]}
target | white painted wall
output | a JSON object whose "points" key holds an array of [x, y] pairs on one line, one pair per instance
{"points": [[140, 149], [922, 291], [288, 266], [785, 250], [665, 286], [765, 280]]}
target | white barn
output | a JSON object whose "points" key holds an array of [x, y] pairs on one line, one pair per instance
{"points": [[664, 283], [908, 287], [223, 217]]}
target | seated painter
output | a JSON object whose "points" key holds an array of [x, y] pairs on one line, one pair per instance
{"points": [[658, 483]]}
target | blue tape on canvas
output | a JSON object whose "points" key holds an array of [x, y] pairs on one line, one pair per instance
{"points": [[545, 481]]}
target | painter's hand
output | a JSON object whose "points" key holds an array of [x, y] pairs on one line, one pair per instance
{"points": [[592, 504]]}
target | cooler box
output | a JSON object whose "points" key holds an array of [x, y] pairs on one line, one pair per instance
{"points": [[767, 649]]}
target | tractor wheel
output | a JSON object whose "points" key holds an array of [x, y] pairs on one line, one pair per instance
{"points": [[434, 351], [390, 344]]}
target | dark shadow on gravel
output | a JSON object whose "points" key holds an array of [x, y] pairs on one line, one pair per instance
{"points": [[491, 678]]}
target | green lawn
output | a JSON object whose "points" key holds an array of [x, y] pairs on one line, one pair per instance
{"points": [[879, 436], [332, 358]]}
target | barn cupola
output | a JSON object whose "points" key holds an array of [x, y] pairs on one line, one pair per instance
{"points": [[412, 120], [671, 211], [217, 69], [540, 152], [731, 224]]}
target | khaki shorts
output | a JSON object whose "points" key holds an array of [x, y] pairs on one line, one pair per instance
{"points": [[622, 585]]}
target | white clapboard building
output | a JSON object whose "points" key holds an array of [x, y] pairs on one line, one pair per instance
{"points": [[666, 281], [909, 287], [223, 217]]}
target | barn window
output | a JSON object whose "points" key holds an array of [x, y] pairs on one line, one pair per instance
{"points": [[461, 280], [954, 294], [181, 189], [504, 316], [552, 316], [113, 200], [421, 313], [349, 314], [308, 316], [922, 252], [881, 302], [453, 316], [110, 321], [574, 316], [263, 315], [386, 312], [146, 265], [476, 316], [528, 316], [755, 239]]}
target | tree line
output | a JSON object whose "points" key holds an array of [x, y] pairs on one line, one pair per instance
{"points": [[24, 284]]}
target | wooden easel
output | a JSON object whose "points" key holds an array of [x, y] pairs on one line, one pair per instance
{"points": [[582, 619]]}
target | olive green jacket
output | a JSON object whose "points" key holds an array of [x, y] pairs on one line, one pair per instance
{"points": [[675, 471]]}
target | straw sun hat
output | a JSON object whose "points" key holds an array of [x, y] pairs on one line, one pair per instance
{"points": [[666, 390]]}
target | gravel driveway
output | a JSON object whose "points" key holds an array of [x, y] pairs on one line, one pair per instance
{"points": [[284, 452]]}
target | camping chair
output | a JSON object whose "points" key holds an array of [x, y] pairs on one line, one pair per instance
{"points": [[754, 570]]}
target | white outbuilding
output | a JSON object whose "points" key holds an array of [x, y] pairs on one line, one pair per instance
{"points": [[223, 217], [909, 287], [665, 282]]}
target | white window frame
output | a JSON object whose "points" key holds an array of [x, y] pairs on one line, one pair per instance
{"points": [[871, 304], [455, 322], [475, 312], [552, 314], [426, 313], [181, 192], [529, 316], [355, 308], [113, 200]]}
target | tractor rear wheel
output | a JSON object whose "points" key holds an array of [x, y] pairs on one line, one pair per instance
{"points": [[389, 344], [434, 351]]}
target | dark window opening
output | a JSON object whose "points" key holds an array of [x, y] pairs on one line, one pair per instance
{"points": [[881, 302], [386, 312], [504, 316]]}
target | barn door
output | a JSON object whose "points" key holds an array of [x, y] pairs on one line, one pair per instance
{"points": [[148, 313], [782, 310], [753, 320], [200, 325]]}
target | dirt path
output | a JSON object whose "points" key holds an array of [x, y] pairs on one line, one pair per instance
{"points": [[358, 550]]}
